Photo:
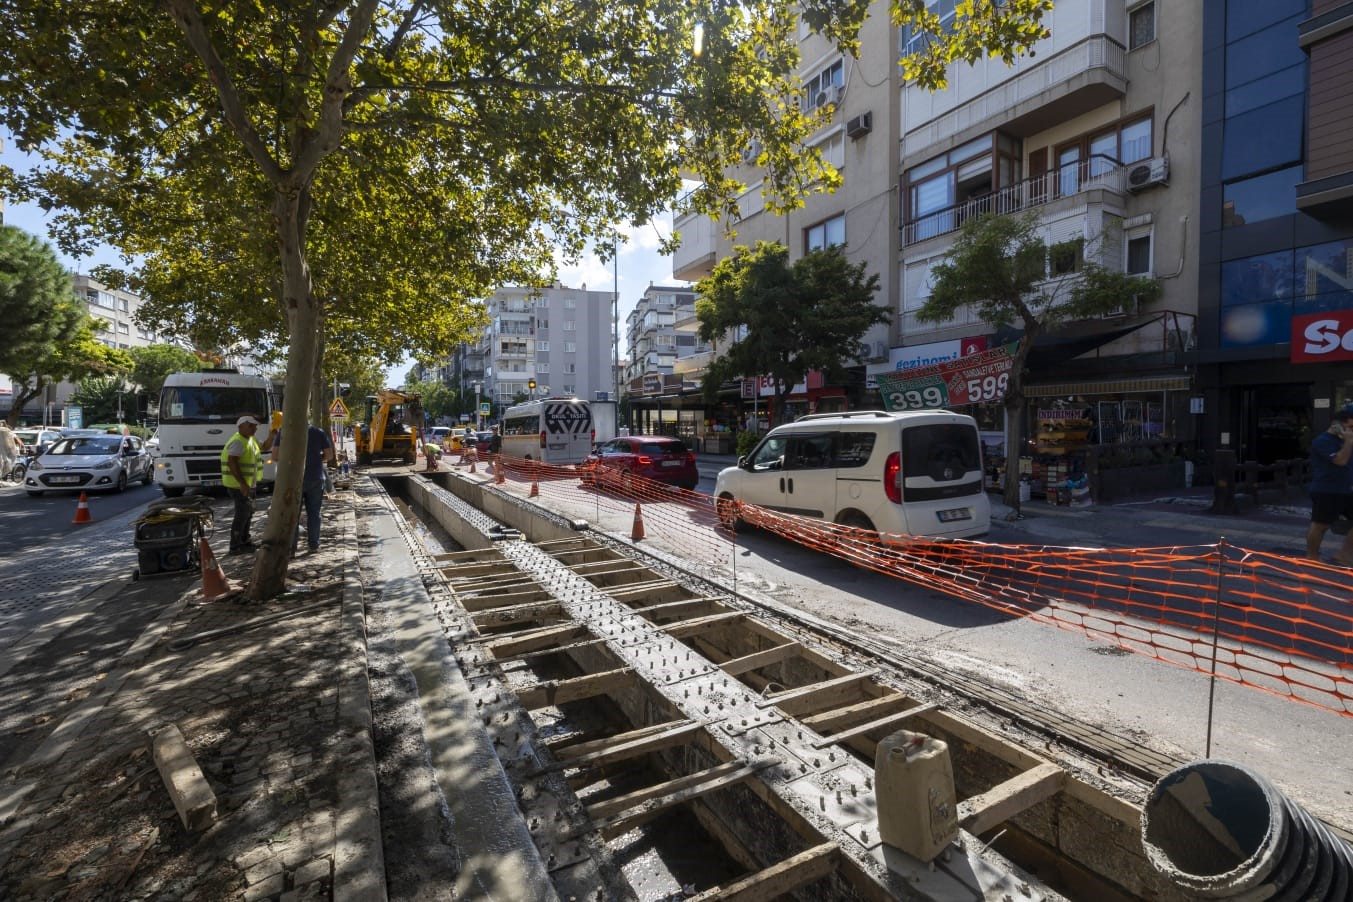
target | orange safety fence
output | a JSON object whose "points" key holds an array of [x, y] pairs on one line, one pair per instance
{"points": [[1280, 624]]}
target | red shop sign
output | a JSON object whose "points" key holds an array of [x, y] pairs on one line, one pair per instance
{"points": [[1321, 337]]}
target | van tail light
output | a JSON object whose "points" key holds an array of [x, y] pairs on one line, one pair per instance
{"points": [[892, 477], [542, 438], [593, 436]]}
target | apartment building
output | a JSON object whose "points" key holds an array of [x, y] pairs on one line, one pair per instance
{"points": [[664, 347], [562, 338], [1276, 265]]}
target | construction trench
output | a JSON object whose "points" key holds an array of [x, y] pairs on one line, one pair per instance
{"points": [[605, 722]]}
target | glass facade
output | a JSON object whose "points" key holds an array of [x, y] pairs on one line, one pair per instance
{"points": [[1260, 294]]}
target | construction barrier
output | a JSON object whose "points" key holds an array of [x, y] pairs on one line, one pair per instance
{"points": [[1280, 624]]}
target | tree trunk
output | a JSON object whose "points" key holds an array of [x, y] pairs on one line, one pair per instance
{"points": [[290, 213], [317, 405], [22, 395]]}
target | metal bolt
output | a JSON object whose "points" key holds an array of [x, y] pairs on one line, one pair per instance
{"points": [[852, 789], [817, 762], [868, 783], [838, 797], [822, 802], [831, 756]]}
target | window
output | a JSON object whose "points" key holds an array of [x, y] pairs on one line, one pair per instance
{"points": [[570, 347], [1066, 257], [831, 233], [819, 90], [1262, 139], [915, 41], [570, 389], [124, 329], [542, 367], [122, 304], [1141, 26], [1262, 197], [570, 368], [1288, 82], [542, 346], [570, 303], [570, 325], [1138, 254], [833, 149], [1264, 53]]}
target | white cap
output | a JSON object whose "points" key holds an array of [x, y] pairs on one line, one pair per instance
{"points": [[247, 421]]}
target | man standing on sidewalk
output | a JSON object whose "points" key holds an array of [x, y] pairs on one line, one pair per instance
{"points": [[241, 465], [1332, 485], [319, 453]]}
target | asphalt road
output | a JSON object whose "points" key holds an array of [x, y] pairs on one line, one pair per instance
{"points": [[26, 521]]}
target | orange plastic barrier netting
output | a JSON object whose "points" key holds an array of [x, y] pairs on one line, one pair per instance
{"points": [[1283, 625]]}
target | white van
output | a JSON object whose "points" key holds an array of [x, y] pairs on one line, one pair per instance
{"points": [[913, 473], [551, 430]]}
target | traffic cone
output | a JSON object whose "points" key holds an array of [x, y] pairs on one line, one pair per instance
{"points": [[472, 460], [82, 510], [215, 586], [498, 469], [637, 533], [535, 487]]}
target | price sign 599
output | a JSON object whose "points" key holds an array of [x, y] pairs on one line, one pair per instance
{"points": [[984, 389]]}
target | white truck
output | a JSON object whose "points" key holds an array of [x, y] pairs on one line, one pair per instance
{"points": [[197, 417]]}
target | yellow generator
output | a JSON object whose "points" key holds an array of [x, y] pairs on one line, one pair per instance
{"points": [[389, 430]]}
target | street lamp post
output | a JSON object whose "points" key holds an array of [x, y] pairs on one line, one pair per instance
{"points": [[477, 417]]}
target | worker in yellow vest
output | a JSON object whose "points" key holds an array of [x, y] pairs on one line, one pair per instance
{"points": [[241, 466]]}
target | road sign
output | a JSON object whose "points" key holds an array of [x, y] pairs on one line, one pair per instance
{"points": [[485, 408], [338, 410], [75, 416]]}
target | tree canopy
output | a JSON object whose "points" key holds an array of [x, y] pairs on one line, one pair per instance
{"points": [[790, 317], [1003, 267], [352, 172], [152, 363]]}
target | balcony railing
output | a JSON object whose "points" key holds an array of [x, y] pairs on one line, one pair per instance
{"points": [[1065, 181]]}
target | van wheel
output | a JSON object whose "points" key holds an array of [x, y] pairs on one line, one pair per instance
{"points": [[857, 520], [725, 506]]}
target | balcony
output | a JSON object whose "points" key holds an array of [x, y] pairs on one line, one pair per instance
{"points": [[1098, 173], [695, 258]]}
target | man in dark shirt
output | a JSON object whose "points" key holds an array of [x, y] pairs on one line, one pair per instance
{"points": [[1332, 484], [319, 452]]}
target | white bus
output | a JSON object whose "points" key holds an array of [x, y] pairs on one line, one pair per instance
{"points": [[197, 417], [551, 430]]}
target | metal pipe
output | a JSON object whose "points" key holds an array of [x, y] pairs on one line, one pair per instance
{"points": [[1222, 831]]}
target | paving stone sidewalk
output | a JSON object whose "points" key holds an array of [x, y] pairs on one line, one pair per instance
{"points": [[272, 702]]}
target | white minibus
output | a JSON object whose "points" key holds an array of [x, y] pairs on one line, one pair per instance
{"points": [[551, 430]]}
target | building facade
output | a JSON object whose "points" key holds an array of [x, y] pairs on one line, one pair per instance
{"points": [[1276, 265]]}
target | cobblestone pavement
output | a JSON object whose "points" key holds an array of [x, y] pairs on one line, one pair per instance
{"points": [[272, 702]]}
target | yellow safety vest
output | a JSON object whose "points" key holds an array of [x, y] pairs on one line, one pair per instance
{"points": [[248, 462]]}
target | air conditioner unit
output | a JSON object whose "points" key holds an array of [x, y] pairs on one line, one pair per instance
{"points": [[859, 126], [1155, 171], [1132, 308], [751, 151], [880, 350], [821, 99], [837, 94]]}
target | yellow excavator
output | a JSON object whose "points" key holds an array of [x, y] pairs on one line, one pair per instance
{"points": [[389, 430]]}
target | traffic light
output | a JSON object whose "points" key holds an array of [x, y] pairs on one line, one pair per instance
{"points": [[531, 384]]}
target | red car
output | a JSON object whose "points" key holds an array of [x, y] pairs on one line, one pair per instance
{"points": [[655, 457]]}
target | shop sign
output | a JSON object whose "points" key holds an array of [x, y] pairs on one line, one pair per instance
{"points": [[1321, 337], [1061, 413], [980, 379], [748, 389]]}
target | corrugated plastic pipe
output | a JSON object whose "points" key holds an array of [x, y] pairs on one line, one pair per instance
{"points": [[1222, 831]]}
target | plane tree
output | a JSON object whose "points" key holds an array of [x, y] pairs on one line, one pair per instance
{"points": [[1003, 268], [346, 132], [783, 319]]}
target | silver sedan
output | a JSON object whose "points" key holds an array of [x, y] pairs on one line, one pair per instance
{"points": [[90, 463]]}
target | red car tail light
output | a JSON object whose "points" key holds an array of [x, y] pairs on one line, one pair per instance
{"points": [[892, 477], [542, 438], [644, 460]]}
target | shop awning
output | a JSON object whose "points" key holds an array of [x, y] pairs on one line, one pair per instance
{"points": [[1108, 387], [1071, 340]]}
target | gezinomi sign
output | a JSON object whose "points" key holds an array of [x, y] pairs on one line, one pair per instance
{"points": [[1321, 337]]}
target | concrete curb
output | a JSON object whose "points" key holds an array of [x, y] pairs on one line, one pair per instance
{"points": [[359, 861]]}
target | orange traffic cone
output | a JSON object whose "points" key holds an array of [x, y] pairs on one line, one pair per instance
{"points": [[472, 460], [499, 470], [82, 510], [535, 487], [637, 533], [215, 586]]}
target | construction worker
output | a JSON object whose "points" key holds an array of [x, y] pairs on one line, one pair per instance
{"points": [[241, 465]]}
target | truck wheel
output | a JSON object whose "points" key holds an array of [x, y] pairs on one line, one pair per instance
{"points": [[363, 459], [148, 479], [172, 491]]}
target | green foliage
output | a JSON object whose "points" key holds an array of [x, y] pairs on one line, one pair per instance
{"points": [[439, 399], [746, 441], [99, 396], [808, 315], [152, 363]]}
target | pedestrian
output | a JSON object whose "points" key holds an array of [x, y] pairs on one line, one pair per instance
{"points": [[241, 465], [1332, 485], [10, 448], [319, 453], [495, 442]]}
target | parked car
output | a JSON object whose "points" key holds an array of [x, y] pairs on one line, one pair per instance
{"points": [[619, 462], [911, 473], [37, 440], [481, 442], [90, 463], [438, 434]]}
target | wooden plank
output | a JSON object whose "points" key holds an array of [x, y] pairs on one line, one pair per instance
{"points": [[685, 606], [637, 588], [476, 603], [759, 659], [888, 720], [578, 750], [683, 628], [617, 824], [818, 695], [633, 748], [478, 570], [839, 718], [557, 649], [980, 813], [533, 639], [710, 598], [519, 614], [603, 568], [559, 692], [613, 806], [778, 879], [472, 554]]}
